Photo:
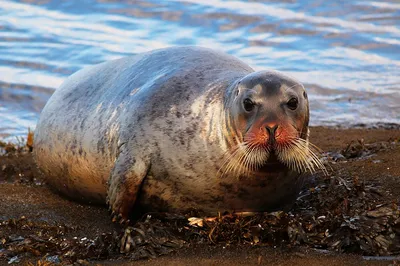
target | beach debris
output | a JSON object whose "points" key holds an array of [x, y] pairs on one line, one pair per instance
{"points": [[17, 165], [43, 263], [29, 140], [52, 259], [338, 213], [19, 145], [7, 147], [360, 149], [195, 221], [14, 259], [150, 239], [354, 149]]}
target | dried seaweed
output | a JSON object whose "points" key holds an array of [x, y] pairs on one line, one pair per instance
{"points": [[329, 217], [43, 239]]}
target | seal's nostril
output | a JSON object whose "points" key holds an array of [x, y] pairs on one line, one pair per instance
{"points": [[271, 130]]}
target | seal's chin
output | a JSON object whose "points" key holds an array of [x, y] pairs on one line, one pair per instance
{"points": [[273, 163]]}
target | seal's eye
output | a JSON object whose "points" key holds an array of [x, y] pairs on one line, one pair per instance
{"points": [[248, 105], [293, 103]]}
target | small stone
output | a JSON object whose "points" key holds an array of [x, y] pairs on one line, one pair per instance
{"points": [[53, 259]]}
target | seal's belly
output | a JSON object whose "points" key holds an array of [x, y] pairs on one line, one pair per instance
{"points": [[263, 193]]}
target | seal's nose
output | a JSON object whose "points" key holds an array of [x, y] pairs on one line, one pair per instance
{"points": [[271, 130]]}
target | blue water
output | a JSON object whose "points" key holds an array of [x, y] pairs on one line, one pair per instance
{"points": [[347, 53]]}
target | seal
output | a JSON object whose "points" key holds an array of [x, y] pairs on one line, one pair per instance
{"points": [[175, 129]]}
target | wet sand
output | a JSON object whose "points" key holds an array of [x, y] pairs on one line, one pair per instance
{"points": [[25, 195]]}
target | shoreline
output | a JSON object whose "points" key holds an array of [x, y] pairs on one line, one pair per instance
{"points": [[371, 156], [7, 137]]}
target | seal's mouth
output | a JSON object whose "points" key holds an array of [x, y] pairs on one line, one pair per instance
{"points": [[296, 155]]}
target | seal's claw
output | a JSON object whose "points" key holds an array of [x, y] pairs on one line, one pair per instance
{"points": [[121, 210], [119, 214], [120, 219], [124, 221]]}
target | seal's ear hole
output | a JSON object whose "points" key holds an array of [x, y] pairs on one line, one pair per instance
{"points": [[305, 94], [237, 88]]}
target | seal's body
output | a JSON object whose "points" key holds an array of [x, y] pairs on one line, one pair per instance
{"points": [[175, 129]]}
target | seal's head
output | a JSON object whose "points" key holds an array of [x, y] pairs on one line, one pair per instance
{"points": [[269, 115]]}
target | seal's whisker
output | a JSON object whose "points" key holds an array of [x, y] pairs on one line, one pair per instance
{"points": [[249, 159], [243, 158], [301, 155], [237, 161], [319, 163], [230, 157], [314, 152], [256, 157], [244, 161], [307, 156], [313, 156], [315, 147], [233, 162], [317, 153]]}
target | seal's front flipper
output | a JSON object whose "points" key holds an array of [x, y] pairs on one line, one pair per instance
{"points": [[124, 185]]}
